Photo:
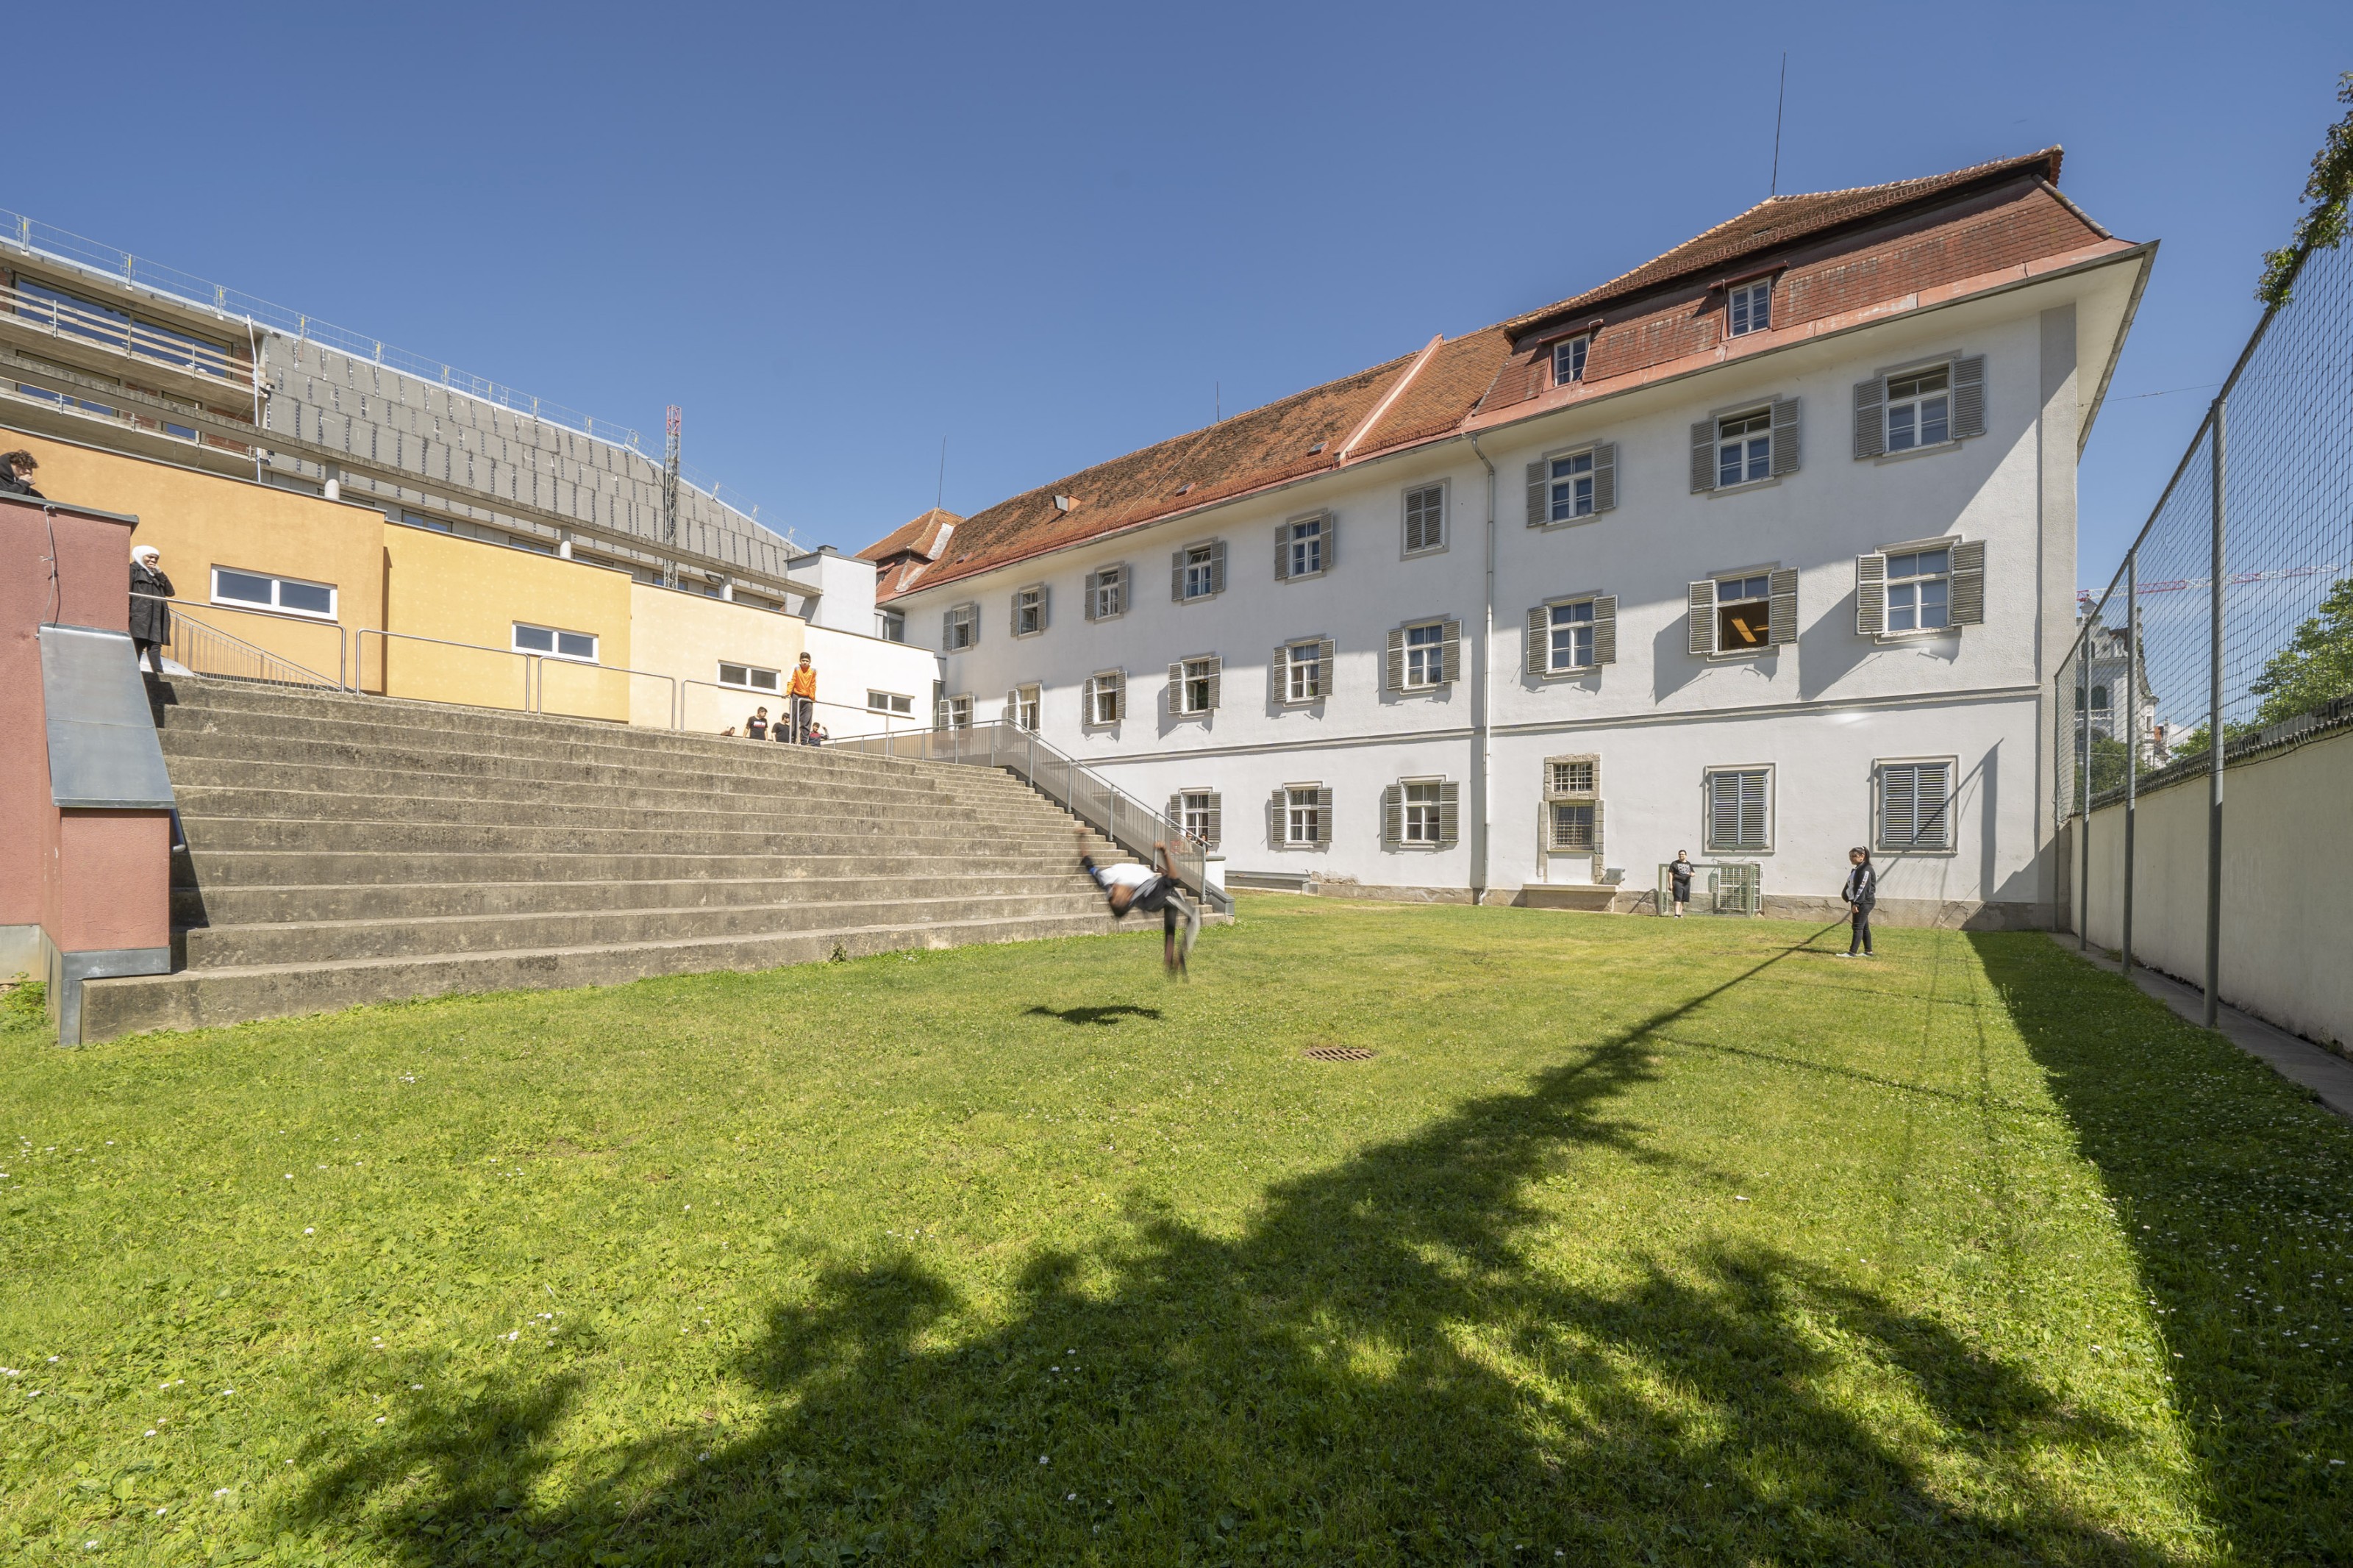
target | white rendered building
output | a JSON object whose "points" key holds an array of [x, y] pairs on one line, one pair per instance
{"points": [[1763, 550]]}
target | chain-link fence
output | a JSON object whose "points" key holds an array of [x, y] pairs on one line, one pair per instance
{"points": [[2233, 611]]}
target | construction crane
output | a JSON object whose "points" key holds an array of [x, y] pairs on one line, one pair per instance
{"points": [[669, 497]]}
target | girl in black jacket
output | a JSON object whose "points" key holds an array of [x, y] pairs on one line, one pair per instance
{"points": [[1861, 892]]}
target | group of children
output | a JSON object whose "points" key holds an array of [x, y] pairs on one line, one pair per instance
{"points": [[1861, 895]]}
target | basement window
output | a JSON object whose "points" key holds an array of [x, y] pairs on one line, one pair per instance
{"points": [[580, 648], [285, 595]]}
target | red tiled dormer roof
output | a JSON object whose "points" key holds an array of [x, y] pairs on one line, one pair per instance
{"points": [[1937, 232]]}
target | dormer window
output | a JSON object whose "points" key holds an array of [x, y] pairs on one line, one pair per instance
{"points": [[1748, 308], [1569, 359]]}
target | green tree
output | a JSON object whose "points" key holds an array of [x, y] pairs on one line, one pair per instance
{"points": [[2328, 191], [2316, 666]]}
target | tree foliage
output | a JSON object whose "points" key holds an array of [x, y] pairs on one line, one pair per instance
{"points": [[2316, 666], [2328, 190]]}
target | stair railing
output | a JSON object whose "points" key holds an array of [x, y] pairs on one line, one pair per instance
{"points": [[1132, 824], [534, 668], [204, 648]]}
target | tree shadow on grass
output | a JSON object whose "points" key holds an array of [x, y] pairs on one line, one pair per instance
{"points": [[1104, 1016], [2231, 1187], [1375, 1369]]}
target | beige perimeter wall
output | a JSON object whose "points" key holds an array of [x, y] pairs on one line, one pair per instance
{"points": [[2287, 861]]}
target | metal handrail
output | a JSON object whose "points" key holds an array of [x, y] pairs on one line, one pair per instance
{"points": [[343, 647], [1086, 794], [123, 334], [206, 649], [785, 697], [533, 680]]}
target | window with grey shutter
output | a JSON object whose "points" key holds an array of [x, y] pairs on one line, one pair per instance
{"points": [[1449, 815], [1325, 669], [1539, 640], [1605, 629], [1453, 646], [1396, 662], [1915, 806], [1214, 826], [1278, 806], [1703, 456], [959, 627], [1093, 578], [1605, 476], [1217, 566], [1870, 417], [1783, 611], [1739, 816], [1969, 583], [1968, 395], [1177, 577], [1277, 674], [1539, 494], [1871, 595], [1176, 690], [1425, 519], [1013, 707], [1029, 610], [1393, 817], [1703, 617], [1323, 816], [1785, 435]]}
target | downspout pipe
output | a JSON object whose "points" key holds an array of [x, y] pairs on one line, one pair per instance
{"points": [[1481, 699]]}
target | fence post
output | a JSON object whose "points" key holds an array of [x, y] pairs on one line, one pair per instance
{"points": [[2132, 732], [2214, 748], [2083, 792]]}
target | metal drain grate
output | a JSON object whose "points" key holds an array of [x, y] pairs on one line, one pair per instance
{"points": [[1338, 1054]]}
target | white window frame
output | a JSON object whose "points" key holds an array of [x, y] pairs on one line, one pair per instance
{"points": [[1290, 668], [1882, 841], [892, 702], [1297, 547], [1708, 841], [1748, 307], [891, 626], [1028, 708], [1429, 813], [1568, 357], [1432, 651], [1581, 508], [555, 636], [1210, 811], [1095, 693], [749, 683], [1564, 784], [1552, 627], [965, 618], [1890, 403], [1756, 431], [1207, 568], [1109, 587], [1309, 815], [278, 587], [1039, 606], [1211, 668], [1925, 547], [1744, 577], [1408, 549], [960, 711]]}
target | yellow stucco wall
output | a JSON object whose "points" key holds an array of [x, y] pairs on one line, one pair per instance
{"points": [[200, 521], [686, 636], [466, 591]]}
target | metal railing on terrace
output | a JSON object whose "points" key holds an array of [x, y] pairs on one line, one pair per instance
{"points": [[51, 242], [202, 648], [63, 318]]}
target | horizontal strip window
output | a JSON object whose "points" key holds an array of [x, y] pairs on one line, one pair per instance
{"points": [[889, 702], [260, 591], [578, 646], [748, 677]]}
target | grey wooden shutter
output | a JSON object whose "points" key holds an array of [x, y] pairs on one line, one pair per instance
{"points": [[1396, 658], [1450, 658], [1605, 629], [1217, 682], [1969, 583], [1785, 435], [1703, 456], [1781, 611], [1093, 578], [1931, 797], [947, 631], [1283, 552], [1723, 811], [1449, 815], [1968, 395], [1539, 640], [1870, 417], [1118, 695], [1870, 595], [1217, 566], [1278, 673], [1177, 576], [1176, 689], [1276, 836], [1539, 494], [1605, 476], [1215, 833], [1323, 816], [1324, 669], [1045, 598], [1177, 813], [1087, 700], [1331, 542], [939, 714], [1897, 798], [1392, 816], [1015, 627], [1752, 810], [1013, 707], [1703, 616]]}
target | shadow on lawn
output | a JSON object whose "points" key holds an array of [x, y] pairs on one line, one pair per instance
{"points": [[1372, 1370], [1103, 1017], [2201, 1146]]}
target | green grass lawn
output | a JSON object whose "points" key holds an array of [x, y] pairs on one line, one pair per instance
{"points": [[1635, 1241]]}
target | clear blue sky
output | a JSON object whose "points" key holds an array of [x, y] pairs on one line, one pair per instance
{"points": [[838, 234]]}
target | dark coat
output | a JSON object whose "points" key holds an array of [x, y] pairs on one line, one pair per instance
{"points": [[10, 484], [150, 622], [1862, 891]]}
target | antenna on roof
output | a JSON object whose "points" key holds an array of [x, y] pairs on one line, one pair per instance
{"points": [[940, 499], [1781, 99]]}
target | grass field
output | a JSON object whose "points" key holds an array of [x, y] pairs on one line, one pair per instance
{"points": [[1635, 1241]]}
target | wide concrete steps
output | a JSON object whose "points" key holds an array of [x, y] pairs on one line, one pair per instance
{"points": [[345, 850]]}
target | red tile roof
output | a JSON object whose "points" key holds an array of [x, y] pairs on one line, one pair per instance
{"points": [[1995, 209]]}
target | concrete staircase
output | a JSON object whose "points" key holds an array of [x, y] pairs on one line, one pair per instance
{"points": [[346, 850]]}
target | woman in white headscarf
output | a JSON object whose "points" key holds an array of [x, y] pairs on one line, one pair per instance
{"points": [[151, 618]]}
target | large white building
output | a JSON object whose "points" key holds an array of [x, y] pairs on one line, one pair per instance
{"points": [[1763, 550]]}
